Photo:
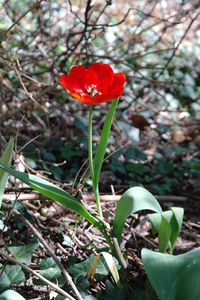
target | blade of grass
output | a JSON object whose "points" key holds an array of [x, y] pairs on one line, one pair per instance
{"points": [[6, 159], [54, 193]]}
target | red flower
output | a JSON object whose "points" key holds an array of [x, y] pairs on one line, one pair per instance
{"points": [[94, 85]]}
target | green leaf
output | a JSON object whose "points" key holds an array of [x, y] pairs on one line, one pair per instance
{"points": [[164, 234], [23, 253], [133, 200], [9, 294], [176, 223], [50, 270], [111, 266], [6, 159], [173, 277], [101, 149], [54, 193], [11, 275], [83, 285], [174, 218]]}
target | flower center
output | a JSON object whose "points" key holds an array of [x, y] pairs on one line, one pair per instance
{"points": [[92, 90]]}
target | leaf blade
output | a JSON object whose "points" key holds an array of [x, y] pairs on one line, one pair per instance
{"points": [[173, 277], [6, 158], [133, 200], [54, 193], [164, 234]]}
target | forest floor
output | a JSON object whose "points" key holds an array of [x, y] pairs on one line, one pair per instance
{"points": [[74, 240]]}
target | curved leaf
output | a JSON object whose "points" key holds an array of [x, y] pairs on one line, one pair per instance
{"points": [[176, 223], [173, 277], [6, 158], [156, 219], [133, 200], [164, 234], [112, 267], [171, 226], [54, 193]]}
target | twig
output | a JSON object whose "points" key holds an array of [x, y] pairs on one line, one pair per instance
{"points": [[90, 197], [22, 197], [169, 198], [27, 92], [28, 269]]}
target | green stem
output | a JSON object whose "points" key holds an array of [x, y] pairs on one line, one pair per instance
{"points": [[96, 193], [95, 190], [90, 144]]}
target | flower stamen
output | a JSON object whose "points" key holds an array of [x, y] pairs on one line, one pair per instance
{"points": [[92, 91]]}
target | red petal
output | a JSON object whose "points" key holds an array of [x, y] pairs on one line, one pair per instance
{"points": [[115, 90], [119, 80], [77, 75], [66, 83], [91, 79], [84, 98], [75, 81], [89, 100], [105, 98], [105, 75]]}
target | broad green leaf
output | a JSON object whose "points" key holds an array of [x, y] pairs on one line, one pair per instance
{"points": [[11, 275], [54, 193], [133, 200], [6, 159], [174, 218], [50, 270], [156, 219], [164, 234], [23, 253], [101, 149], [83, 286], [9, 295], [176, 223], [173, 277]]}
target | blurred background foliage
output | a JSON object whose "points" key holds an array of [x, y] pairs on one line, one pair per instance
{"points": [[155, 137]]}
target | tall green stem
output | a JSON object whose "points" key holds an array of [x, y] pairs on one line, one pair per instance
{"points": [[96, 193], [90, 144], [95, 190]]}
